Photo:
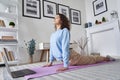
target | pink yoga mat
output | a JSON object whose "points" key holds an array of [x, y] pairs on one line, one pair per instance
{"points": [[44, 71]]}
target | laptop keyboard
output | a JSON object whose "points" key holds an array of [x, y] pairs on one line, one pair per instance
{"points": [[21, 73]]}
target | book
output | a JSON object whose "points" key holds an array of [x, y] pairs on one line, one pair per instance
{"points": [[11, 55], [7, 37], [6, 53], [2, 23], [1, 56], [1, 60]]}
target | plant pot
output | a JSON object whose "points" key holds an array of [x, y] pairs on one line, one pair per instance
{"points": [[30, 59], [11, 26]]}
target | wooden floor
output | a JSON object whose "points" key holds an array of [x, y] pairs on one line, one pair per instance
{"points": [[108, 71]]}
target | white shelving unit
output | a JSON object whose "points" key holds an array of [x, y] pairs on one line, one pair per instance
{"points": [[8, 29], [8, 13]]}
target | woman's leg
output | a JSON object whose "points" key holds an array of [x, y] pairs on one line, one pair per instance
{"points": [[101, 58], [77, 59]]}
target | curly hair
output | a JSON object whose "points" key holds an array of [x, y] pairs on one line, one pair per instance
{"points": [[65, 23]]}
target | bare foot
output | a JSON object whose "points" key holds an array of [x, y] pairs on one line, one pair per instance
{"points": [[48, 65], [110, 58], [62, 69]]}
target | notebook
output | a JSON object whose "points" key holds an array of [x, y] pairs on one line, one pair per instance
{"points": [[19, 73]]}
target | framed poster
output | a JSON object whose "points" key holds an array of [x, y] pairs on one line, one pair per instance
{"points": [[31, 8], [65, 10], [75, 16], [99, 6], [49, 9]]}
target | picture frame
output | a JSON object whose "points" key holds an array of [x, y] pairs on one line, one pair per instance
{"points": [[49, 9], [31, 8], [65, 10], [99, 7], [75, 16]]}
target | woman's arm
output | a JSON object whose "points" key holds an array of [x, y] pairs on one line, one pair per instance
{"points": [[65, 49], [51, 59]]}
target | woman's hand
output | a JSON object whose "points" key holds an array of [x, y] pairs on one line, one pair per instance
{"points": [[62, 69], [48, 65]]}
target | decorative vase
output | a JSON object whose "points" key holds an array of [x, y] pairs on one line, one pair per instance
{"points": [[82, 52], [103, 19], [30, 59]]}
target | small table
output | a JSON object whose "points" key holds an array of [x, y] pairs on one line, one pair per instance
{"points": [[44, 47], [47, 54]]}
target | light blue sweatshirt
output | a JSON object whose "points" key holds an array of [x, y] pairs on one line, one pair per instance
{"points": [[59, 46]]}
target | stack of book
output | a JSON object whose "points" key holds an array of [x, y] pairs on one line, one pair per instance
{"points": [[7, 39], [8, 54]]}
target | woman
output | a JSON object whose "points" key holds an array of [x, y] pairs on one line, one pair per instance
{"points": [[59, 42]]}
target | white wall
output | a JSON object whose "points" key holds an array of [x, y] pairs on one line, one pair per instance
{"points": [[111, 5], [118, 5], [41, 29]]}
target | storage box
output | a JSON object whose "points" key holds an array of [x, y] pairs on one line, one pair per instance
{"points": [[44, 45]]}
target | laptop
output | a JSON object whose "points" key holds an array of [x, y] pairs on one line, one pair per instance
{"points": [[19, 73]]}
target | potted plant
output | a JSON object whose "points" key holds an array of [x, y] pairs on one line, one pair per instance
{"points": [[12, 24], [31, 49], [103, 19]]}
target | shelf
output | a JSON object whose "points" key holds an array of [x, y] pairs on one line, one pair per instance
{"points": [[8, 29], [8, 15], [1, 62], [8, 44], [10, 62], [13, 62], [9, 2], [102, 24]]}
